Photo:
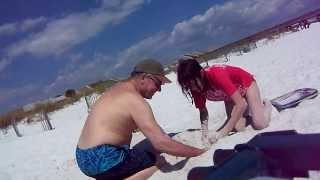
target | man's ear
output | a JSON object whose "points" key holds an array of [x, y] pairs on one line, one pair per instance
{"points": [[141, 78]]}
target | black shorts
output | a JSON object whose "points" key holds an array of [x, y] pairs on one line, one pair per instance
{"points": [[134, 161]]}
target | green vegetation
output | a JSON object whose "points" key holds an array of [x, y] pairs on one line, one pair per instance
{"points": [[101, 86], [19, 114]]}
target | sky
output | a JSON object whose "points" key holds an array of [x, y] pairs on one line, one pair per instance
{"points": [[50, 155], [47, 47]]}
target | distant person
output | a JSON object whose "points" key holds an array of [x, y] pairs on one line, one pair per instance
{"points": [[301, 24], [304, 24], [103, 149], [233, 85], [289, 28]]}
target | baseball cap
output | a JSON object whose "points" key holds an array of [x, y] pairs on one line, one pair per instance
{"points": [[151, 66]]}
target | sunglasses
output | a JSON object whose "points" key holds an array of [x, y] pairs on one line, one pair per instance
{"points": [[157, 82]]}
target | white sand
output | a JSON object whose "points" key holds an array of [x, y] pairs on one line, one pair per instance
{"points": [[279, 66]]}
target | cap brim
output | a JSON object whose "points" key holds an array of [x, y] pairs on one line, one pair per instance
{"points": [[164, 80]]}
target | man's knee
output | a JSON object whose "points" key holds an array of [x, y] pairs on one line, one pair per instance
{"points": [[193, 174]]}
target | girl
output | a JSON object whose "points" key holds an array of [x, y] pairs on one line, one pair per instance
{"points": [[236, 87]]}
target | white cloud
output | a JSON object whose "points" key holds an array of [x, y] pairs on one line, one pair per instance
{"points": [[20, 27], [8, 29], [218, 24], [231, 20], [122, 4], [10, 93], [3, 63], [143, 49], [102, 66], [31, 23], [76, 71], [61, 35], [111, 3]]}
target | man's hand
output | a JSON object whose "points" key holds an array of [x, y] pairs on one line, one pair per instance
{"points": [[213, 139], [208, 139], [161, 161], [205, 150]]}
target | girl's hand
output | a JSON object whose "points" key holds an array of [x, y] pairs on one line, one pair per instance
{"points": [[205, 141], [214, 137]]}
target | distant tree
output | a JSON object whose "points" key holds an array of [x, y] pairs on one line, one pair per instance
{"points": [[15, 127], [45, 121], [70, 93]]}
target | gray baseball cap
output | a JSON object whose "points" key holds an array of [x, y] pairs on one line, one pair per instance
{"points": [[151, 66]]}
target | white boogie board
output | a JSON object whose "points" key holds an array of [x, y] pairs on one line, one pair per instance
{"points": [[293, 98]]}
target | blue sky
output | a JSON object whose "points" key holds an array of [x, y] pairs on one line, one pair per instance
{"points": [[47, 47]]}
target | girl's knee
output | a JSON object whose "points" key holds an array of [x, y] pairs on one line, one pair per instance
{"points": [[259, 125]]}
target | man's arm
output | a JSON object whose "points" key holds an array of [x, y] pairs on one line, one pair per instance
{"points": [[144, 119]]}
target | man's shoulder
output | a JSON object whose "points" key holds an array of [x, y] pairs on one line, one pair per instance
{"points": [[129, 96], [120, 92], [133, 98]]}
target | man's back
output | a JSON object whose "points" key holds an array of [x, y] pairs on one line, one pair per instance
{"points": [[110, 121]]}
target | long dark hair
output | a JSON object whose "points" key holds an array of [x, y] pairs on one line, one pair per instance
{"points": [[187, 70]]}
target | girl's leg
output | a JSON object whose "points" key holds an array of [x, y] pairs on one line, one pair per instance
{"points": [[241, 124], [260, 111]]}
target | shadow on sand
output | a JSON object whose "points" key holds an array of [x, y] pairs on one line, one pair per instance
{"points": [[146, 145]]}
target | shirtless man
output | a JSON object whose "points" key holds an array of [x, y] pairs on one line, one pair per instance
{"points": [[103, 148]]}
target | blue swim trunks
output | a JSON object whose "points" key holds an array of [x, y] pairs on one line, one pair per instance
{"points": [[113, 162]]}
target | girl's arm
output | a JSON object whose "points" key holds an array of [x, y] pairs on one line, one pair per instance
{"points": [[204, 121], [204, 127], [239, 106]]}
